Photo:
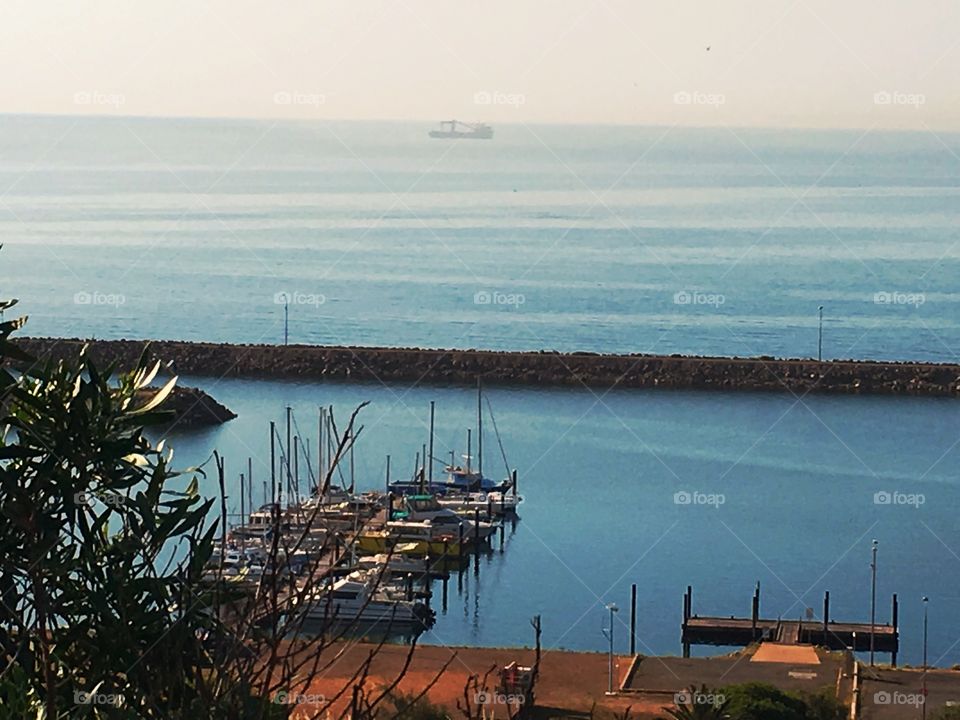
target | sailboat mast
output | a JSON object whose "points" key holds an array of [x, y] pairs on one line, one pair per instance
{"points": [[479, 427], [430, 460]]}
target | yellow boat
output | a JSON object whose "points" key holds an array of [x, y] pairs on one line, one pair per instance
{"points": [[383, 541]]}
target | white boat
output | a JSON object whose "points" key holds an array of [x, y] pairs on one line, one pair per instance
{"points": [[361, 598], [496, 503], [397, 563], [427, 509]]}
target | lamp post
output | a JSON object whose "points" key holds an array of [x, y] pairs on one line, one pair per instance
{"points": [[286, 318], [924, 705], [608, 633], [873, 598], [820, 338]]}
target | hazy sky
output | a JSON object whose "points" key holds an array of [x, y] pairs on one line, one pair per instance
{"points": [[823, 63]]}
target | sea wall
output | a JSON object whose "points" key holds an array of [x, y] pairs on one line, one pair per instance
{"points": [[521, 368]]}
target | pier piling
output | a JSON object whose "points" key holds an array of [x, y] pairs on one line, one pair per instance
{"points": [[895, 616], [826, 612]]}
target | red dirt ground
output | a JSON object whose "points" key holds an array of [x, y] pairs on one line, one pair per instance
{"points": [[570, 684]]}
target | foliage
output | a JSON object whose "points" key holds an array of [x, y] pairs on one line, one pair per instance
{"points": [[824, 706], [946, 713], [414, 706], [107, 604], [759, 701], [101, 561]]}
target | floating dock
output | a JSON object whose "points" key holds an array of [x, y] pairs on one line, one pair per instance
{"points": [[742, 631]]}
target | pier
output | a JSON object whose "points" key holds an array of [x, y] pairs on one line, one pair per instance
{"points": [[823, 631]]}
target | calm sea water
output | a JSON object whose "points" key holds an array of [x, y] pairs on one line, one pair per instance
{"points": [[599, 478], [189, 229]]}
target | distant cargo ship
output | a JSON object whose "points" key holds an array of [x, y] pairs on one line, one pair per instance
{"points": [[456, 130]]}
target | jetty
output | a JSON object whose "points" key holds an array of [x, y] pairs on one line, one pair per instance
{"points": [[545, 368], [822, 631]]}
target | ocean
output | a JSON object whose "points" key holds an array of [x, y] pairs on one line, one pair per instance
{"points": [[610, 239]]}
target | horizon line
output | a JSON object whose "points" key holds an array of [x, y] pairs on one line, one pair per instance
{"points": [[433, 121]]}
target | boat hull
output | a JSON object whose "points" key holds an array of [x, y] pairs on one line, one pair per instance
{"points": [[376, 544]]}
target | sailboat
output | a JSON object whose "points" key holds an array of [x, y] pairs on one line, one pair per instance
{"points": [[460, 479]]}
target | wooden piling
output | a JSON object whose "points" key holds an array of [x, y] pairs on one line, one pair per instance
{"points": [[826, 612], [895, 619], [755, 610]]}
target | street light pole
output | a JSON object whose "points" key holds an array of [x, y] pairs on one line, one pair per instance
{"points": [[924, 706], [873, 598], [286, 319], [608, 633], [820, 338]]}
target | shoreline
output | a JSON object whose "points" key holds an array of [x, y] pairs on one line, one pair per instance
{"points": [[542, 369]]}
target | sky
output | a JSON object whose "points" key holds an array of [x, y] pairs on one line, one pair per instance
{"points": [[780, 63]]}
